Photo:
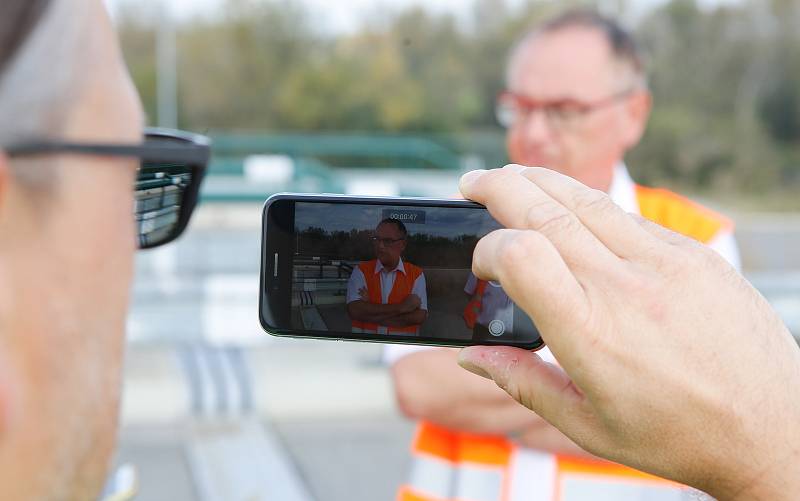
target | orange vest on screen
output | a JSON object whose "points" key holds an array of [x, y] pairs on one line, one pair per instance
{"points": [[403, 285], [449, 465], [473, 308]]}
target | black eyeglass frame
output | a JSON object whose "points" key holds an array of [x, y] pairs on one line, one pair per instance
{"points": [[187, 149]]}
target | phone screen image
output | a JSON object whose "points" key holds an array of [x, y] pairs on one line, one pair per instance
{"points": [[380, 272]]}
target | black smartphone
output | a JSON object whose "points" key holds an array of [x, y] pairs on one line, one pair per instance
{"points": [[389, 270]]}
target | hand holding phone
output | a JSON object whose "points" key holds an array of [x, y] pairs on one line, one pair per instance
{"points": [[383, 270]]}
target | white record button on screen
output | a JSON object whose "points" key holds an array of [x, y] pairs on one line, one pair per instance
{"points": [[497, 327]]}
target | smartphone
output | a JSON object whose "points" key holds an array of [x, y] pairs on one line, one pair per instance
{"points": [[389, 270]]}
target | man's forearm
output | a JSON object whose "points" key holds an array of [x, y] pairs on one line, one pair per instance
{"points": [[415, 317], [456, 400], [467, 404], [373, 312]]}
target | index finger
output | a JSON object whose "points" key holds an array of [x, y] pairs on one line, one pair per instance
{"points": [[517, 202], [614, 227]]}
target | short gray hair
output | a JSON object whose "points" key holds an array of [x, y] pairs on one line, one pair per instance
{"points": [[40, 44], [620, 41]]}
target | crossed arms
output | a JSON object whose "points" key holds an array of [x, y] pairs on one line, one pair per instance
{"points": [[401, 314]]}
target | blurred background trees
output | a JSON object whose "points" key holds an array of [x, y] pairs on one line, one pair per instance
{"points": [[726, 80]]}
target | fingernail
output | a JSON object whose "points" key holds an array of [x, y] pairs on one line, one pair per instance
{"points": [[466, 361], [469, 179], [516, 167]]}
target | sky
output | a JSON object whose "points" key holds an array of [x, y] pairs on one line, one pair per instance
{"points": [[341, 16]]}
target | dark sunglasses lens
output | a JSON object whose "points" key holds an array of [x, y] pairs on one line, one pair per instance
{"points": [[160, 192]]}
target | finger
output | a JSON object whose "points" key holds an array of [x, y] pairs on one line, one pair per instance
{"points": [[537, 279], [618, 231], [515, 202], [660, 232], [542, 387]]}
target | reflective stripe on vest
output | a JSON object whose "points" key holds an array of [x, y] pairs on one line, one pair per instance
{"points": [[454, 466], [402, 287], [570, 478], [449, 465], [432, 478], [580, 479]]}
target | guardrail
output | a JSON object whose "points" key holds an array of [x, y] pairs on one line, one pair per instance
{"points": [[250, 167]]}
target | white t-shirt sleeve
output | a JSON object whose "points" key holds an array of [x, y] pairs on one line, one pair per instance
{"points": [[420, 288], [472, 284], [355, 283], [725, 244]]}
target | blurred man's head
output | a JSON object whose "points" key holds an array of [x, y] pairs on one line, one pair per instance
{"points": [[577, 98], [66, 247], [390, 242]]}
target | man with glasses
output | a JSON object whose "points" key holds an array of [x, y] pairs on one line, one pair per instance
{"points": [[387, 295], [576, 101], [80, 188]]}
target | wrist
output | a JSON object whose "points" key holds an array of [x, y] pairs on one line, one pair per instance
{"points": [[780, 481]]}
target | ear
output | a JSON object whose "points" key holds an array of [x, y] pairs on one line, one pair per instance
{"points": [[637, 111]]}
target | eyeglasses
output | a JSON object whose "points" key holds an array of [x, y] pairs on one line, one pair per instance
{"points": [[513, 108], [386, 242], [168, 180]]}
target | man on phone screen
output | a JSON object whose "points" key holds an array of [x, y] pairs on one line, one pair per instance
{"points": [[576, 102], [387, 295], [488, 306]]}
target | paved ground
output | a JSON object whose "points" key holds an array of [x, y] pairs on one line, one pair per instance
{"points": [[216, 409], [323, 409]]}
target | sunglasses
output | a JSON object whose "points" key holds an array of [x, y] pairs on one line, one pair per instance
{"points": [[168, 180]]}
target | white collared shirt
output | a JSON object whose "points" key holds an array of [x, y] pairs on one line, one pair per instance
{"points": [[357, 282]]}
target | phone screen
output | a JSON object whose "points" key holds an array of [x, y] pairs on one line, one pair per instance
{"points": [[385, 272]]}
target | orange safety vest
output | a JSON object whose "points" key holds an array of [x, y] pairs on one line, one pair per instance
{"points": [[402, 287], [473, 308], [450, 465]]}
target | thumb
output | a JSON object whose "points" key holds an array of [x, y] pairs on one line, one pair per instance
{"points": [[540, 386]]}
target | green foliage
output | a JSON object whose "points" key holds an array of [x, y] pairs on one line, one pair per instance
{"points": [[355, 245], [726, 80], [779, 109]]}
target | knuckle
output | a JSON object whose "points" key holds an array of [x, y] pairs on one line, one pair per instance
{"points": [[551, 219], [591, 200], [519, 249], [693, 258], [497, 177], [519, 386], [708, 257]]}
